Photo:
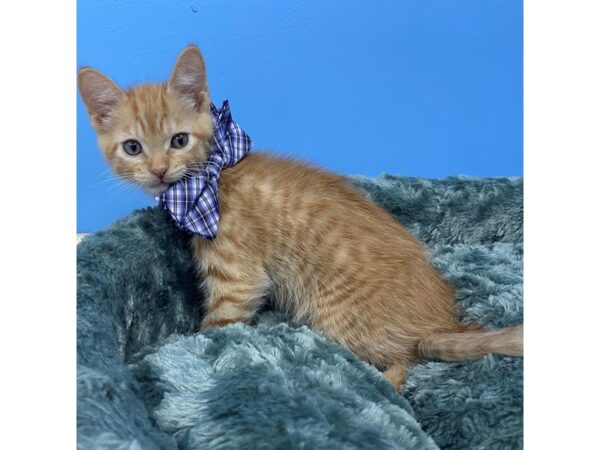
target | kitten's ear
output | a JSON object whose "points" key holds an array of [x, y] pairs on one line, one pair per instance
{"points": [[188, 79], [100, 95]]}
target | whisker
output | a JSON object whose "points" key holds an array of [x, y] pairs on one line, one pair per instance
{"points": [[111, 177], [120, 188]]}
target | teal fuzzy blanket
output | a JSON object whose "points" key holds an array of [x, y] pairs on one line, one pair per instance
{"points": [[147, 380]]}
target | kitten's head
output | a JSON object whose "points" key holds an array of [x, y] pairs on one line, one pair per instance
{"points": [[152, 134]]}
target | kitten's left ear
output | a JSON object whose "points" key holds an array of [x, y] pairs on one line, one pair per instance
{"points": [[188, 79]]}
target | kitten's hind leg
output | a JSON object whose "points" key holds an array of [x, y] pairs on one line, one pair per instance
{"points": [[396, 374], [232, 296]]}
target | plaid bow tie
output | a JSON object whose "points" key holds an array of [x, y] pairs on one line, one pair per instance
{"points": [[192, 201]]}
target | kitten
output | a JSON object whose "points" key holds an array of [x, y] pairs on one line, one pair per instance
{"points": [[327, 256]]}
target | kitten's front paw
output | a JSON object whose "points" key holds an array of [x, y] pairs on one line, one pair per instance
{"points": [[209, 323]]}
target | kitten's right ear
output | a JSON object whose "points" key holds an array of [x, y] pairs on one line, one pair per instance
{"points": [[100, 95], [188, 79]]}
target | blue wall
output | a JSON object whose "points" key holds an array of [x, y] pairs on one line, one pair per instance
{"points": [[424, 87]]}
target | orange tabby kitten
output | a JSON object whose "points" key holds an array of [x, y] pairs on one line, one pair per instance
{"points": [[326, 255]]}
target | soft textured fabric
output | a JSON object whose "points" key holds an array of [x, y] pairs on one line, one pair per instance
{"points": [[452, 210], [147, 380], [192, 202]]}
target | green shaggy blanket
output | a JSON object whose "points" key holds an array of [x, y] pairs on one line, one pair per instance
{"points": [[147, 380]]}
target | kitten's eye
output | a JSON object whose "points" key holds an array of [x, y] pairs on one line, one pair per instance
{"points": [[179, 140], [132, 147]]}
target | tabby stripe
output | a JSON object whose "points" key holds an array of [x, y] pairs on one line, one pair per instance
{"points": [[343, 295], [219, 301], [333, 315], [365, 291], [214, 272], [343, 283]]}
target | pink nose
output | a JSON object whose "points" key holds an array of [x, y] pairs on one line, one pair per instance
{"points": [[159, 172]]}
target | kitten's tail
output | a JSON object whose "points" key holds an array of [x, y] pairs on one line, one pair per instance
{"points": [[470, 343]]}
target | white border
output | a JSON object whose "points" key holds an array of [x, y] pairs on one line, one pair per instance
{"points": [[38, 318], [562, 228]]}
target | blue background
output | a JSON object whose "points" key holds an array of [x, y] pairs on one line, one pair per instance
{"points": [[426, 88]]}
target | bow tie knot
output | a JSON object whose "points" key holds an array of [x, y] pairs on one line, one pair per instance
{"points": [[192, 202]]}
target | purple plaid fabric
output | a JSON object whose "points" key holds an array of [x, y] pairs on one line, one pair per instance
{"points": [[192, 201]]}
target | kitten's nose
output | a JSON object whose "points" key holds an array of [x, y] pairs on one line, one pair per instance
{"points": [[159, 171]]}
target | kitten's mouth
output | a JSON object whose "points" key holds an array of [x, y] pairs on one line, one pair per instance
{"points": [[157, 188], [171, 182]]}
